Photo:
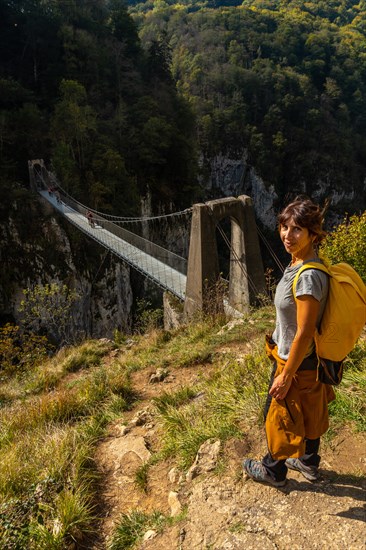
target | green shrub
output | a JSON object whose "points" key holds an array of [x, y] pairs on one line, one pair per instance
{"points": [[146, 317], [347, 243], [48, 309], [20, 351]]}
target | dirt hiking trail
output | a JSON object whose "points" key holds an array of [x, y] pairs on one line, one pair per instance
{"points": [[216, 507]]}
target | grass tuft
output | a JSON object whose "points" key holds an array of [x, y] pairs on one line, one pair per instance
{"points": [[142, 476], [234, 394], [70, 519], [87, 355], [132, 527], [182, 396]]}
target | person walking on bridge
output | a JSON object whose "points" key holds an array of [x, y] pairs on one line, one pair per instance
{"points": [[296, 411], [90, 218]]}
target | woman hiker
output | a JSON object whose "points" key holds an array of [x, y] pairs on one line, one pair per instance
{"points": [[296, 411]]}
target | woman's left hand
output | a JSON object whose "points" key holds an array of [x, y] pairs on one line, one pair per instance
{"points": [[280, 386]]}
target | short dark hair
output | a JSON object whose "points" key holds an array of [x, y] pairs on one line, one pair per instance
{"points": [[305, 213]]}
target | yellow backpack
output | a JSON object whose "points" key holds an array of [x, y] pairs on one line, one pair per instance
{"points": [[343, 319]]}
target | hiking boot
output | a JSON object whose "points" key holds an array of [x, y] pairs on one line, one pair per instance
{"points": [[311, 473], [255, 470]]}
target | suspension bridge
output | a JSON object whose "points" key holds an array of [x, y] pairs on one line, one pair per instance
{"points": [[186, 279]]}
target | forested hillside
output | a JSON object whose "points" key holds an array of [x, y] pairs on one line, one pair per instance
{"points": [[282, 81], [77, 89], [118, 98], [135, 439]]}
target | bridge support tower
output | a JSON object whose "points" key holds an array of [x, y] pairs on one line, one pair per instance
{"points": [[34, 184], [247, 279]]}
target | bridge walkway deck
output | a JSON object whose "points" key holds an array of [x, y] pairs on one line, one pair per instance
{"points": [[163, 275]]}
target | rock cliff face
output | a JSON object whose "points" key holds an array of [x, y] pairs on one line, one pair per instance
{"points": [[170, 232], [232, 177], [38, 247]]}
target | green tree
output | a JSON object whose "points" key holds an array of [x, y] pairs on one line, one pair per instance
{"points": [[48, 309], [123, 27], [73, 125]]}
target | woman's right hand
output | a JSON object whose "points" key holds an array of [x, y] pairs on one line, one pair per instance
{"points": [[280, 386]]}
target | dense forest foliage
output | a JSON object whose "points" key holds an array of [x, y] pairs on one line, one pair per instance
{"points": [[77, 89], [284, 81], [121, 97]]}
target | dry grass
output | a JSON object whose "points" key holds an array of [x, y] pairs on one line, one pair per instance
{"points": [[236, 392], [47, 441], [51, 420]]}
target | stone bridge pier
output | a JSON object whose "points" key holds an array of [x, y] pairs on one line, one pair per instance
{"points": [[247, 278]]}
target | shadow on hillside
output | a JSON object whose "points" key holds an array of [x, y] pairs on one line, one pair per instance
{"points": [[337, 485]]}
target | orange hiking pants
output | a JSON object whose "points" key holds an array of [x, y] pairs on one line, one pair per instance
{"points": [[302, 414]]}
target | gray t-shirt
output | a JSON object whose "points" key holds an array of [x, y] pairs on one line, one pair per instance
{"points": [[311, 282]]}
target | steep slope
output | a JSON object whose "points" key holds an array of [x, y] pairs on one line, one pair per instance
{"points": [[138, 443], [207, 504]]}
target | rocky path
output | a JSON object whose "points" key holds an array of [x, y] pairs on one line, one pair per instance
{"points": [[225, 512]]}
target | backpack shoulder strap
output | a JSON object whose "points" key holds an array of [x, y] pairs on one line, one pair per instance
{"points": [[309, 265]]}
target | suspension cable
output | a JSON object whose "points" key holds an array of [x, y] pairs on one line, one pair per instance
{"points": [[124, 234], [100, 266], [241, 265], [119, 219], [271, 251], [236, 257]]}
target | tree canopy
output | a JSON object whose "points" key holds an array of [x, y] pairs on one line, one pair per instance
{"points": [[120, 98], [284, 80], [77, 89]]}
